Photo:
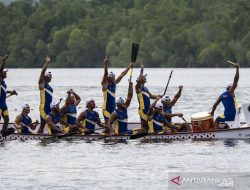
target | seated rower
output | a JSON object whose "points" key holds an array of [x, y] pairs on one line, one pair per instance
{"points": [[156, 119], [54, 119], [168, 104], [23, 122], [69, 111], [120, 116], [228, 100], [88, 119]]}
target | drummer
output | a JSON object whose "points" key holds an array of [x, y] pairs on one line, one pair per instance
{"points": [[168, 104], [228, 100]]}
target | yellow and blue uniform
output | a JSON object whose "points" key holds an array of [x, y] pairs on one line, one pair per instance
{"points": [[168, 109], [56, 120], [231, 106], [3, 105], [109, 100], [25, 122], [156, 124], [71, 113], [121, 123], [46, 99], [90, 120], [144, 103], [70, 116]]}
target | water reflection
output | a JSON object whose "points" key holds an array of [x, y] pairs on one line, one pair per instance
{"points": [[230, 142]]}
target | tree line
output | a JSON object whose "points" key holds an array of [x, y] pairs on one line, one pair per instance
{"points": [[171, 33]]}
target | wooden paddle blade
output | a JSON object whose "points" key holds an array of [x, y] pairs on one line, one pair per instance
{"points": [[136, 136], [134, 52]]}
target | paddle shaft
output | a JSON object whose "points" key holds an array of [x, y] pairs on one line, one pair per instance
{"points": [[131, 73], [232, 63], [9, 95], [184, 119], [168, 82]]}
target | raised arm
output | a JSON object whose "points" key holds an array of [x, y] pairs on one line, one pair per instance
{"points": [[78, 99], [2, 66], [112, 118], [41, 78], [236, 79], [130, 94], [119, 78], [151, 108], [215, 105], [105, 76], [177, 96], [138, 86]]}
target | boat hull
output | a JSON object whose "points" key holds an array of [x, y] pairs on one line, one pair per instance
{"points": [[237, 133]]}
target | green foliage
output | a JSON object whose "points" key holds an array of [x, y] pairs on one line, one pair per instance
{"points": [[79, 33]]}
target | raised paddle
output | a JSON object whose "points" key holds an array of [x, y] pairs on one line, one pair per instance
{"points": [[184, 119], [168, 82], [232, 63], [134, 52]]}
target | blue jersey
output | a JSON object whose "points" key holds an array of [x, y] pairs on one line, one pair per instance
{"points": [[109, 97], [121, 124], [156, 124], [46, 98], [71, 114], [91, 119], [25, 122], [3, 93], [230, 104], [168, 109]]}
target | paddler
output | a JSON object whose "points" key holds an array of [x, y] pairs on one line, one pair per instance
{"points": [[120, 116], [156, 119], [46, 93], [228, 100], [23, 123], [69, 110], [143, 96], [54, 119], [109, 83], [3, 94], [88, 119], [168, 104]]}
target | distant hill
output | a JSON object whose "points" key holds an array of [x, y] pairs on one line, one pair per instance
{"points": [[171, 33]]}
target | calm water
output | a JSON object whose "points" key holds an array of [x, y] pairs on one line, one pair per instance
{"points": [[81, 165]]}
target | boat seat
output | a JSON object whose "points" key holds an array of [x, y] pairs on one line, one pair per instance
{"points": [[236, 122]]}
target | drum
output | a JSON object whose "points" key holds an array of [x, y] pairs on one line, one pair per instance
{"points": [[202, 121]]}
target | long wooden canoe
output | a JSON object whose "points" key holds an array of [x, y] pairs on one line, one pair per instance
{"points": [[236, 133]]}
